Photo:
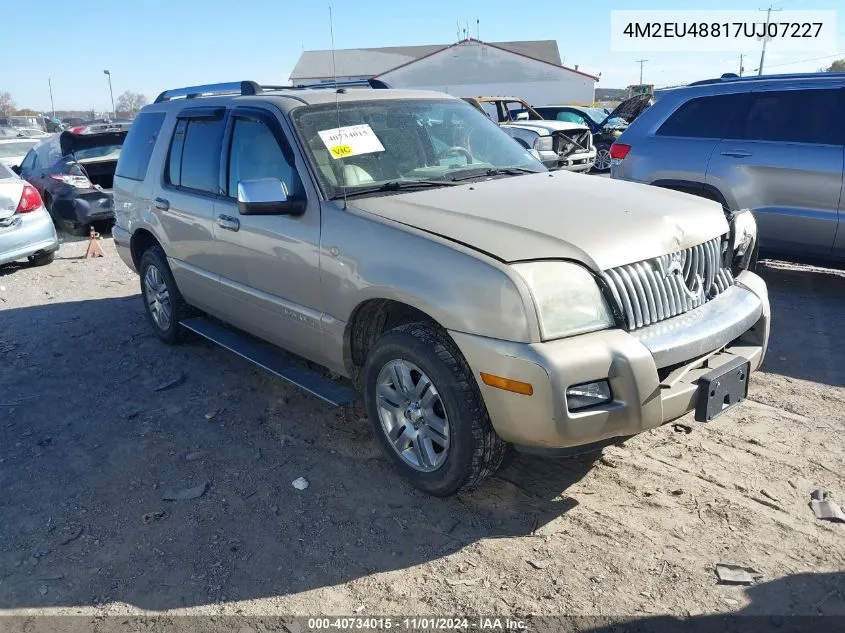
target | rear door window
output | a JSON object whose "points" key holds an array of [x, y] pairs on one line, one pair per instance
{"points": [[795, 116], [138, 146], [194, 158], [705, 117]]}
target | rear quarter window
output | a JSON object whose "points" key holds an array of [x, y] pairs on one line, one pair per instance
{"points": [[138, 146], [795, 116], [705, 117]]}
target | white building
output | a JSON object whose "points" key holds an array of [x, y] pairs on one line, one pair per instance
{"points": [[530, 70]]}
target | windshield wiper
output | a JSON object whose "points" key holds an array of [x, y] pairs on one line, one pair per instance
{"points": [[497, 171], [395, 185]]}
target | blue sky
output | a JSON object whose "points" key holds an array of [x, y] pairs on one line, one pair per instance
{"points": [[153, 45]]}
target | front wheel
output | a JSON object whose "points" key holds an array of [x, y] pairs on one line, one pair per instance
{"points": [[602, 158], [427, 411], [163, 303]]}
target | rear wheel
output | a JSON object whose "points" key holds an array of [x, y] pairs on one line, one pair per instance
{"points": [[427, 411], [163, 302]]}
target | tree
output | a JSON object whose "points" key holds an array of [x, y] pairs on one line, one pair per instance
{"points": [[131, 102], [838, 66], [7, 104]]}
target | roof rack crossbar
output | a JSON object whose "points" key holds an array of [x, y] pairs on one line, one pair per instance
{"points": [[191, 92]]}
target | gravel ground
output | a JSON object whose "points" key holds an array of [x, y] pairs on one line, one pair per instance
{"points": [[99, 420]]}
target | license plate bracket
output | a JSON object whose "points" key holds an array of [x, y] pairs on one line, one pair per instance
{"points": [[721, 389]]}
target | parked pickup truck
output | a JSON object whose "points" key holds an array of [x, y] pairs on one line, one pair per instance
{"points": [[404, 241], [560, 144]]}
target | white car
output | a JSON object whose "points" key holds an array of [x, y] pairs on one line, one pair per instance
{"points": [[26, 228], [13, 150], [560, 144]]}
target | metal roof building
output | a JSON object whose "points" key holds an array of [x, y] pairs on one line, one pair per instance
{"points": [[528, 69]]}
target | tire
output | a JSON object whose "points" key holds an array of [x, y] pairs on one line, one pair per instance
{"points": [[473, 453], [602, 163], [42, 259], [165, 299]]}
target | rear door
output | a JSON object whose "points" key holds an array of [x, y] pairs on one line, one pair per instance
{"points": [[677, 153], [269, 265], [784, 161], [184, 199]]}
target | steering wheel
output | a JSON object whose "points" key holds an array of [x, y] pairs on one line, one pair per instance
{"points": [[463, 151]]}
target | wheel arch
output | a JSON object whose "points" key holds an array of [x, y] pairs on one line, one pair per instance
{"points": [[371, 318], [141, 240], [700, 189]]}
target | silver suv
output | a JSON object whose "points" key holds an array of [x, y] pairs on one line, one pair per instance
{"points": [[402, 240], [775, 145]]}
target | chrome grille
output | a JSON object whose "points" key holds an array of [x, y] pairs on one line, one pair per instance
{"points": [[656, 289]]}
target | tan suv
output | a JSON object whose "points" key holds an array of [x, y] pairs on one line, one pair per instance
{"points": [[404, 241]]}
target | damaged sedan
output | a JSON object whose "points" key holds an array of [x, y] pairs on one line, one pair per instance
{"points": [[73, 173], [558, 144]]}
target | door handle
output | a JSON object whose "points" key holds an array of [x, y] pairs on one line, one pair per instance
{"points": [[227, 222], [737, 153], [161, 203]]}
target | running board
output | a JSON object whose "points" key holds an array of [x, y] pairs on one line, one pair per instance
{"points": [[274, 360]]}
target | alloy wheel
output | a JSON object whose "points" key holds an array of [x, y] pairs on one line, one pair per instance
{"points": [[158, 297], [602, 159], [412, 415]]}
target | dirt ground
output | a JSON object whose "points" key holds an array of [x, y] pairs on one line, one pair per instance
{"points": [[98, 420]]}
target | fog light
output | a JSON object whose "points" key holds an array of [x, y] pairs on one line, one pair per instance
{"points": [[590, 394]]}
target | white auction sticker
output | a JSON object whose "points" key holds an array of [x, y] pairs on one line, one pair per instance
{"points": [[787, 30], [351, 141]]}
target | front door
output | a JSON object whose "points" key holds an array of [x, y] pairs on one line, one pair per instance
{"points": [[785, 163], [269, 265]]}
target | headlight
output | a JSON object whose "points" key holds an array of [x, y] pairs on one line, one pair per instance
{"points": [[544, 144], [567, 298], [743, 238]]}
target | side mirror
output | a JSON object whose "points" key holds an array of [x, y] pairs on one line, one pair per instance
{"points": [[522, 116], [16, 169], [535, 154], [267, 196]]}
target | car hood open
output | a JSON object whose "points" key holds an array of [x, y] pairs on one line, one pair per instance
{"points": [[601, 222]]}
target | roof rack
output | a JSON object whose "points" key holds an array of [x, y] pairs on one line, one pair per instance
{"points": [[245, 88], [733, 77], [191, 92]]}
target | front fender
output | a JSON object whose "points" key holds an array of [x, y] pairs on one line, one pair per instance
{"points": [[364, 258]]}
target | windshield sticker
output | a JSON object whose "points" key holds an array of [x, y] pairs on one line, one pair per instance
{"points": [[351, 141]]}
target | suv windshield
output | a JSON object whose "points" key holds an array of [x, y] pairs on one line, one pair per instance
{"points": [[370, 143]]}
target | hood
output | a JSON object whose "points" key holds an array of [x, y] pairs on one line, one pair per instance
{"points": [[546, 127], [601, 222], [630, 109]]}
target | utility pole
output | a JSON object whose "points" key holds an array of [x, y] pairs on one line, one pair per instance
{"points": [[641, 62], [765, 37], [52, 105], [113, 112], [740, 64]]}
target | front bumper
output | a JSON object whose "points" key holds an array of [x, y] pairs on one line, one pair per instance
{"points": [[653, 380], [580, 161], [27, 234]]}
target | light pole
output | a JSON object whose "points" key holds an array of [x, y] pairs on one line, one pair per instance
{"points": [[113, 113]]}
